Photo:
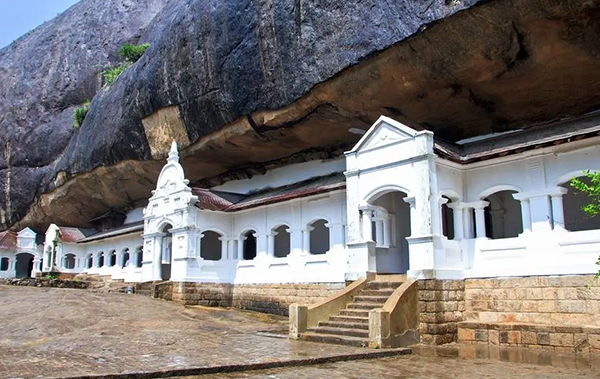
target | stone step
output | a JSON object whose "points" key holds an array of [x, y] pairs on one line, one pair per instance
{"points": [[344, 325], [350, 319], [390, 277], [384, 292], [355, 313], [336, 339], [370, 299], [382, 285], [347, 332], [366, 306]]}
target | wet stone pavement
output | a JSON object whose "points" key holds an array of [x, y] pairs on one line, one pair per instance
{"points": [[49, 332], [441, 363]]}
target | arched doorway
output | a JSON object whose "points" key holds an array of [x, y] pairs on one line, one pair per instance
{"points": [[24, 265], [503, 217], [390, 220], [319, 237], [573, 202], [166, 253], [249, 245], [211, 246]]}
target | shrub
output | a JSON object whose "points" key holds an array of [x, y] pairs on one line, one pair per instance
{"points": [[131, 53], [113, 73], [80, 113], [592, 189]]}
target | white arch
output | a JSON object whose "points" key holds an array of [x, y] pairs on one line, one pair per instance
{"points": [[451, 194], [318, 218], [385, 189], [216, 230], [246, 230], [564, 179], [501, 187]]}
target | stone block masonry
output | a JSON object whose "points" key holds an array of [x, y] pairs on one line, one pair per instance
{"points": [[268, 298], [441, 306], [548, 300]]}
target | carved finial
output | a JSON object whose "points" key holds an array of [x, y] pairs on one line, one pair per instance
{"points": [[173, 154]]}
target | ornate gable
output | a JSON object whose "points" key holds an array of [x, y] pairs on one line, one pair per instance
{"points": [[384, 132]]}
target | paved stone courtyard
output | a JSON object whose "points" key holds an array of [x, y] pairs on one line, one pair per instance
{"points": [[46, 332], [52, 332]]}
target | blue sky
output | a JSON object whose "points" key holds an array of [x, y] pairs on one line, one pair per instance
{"points": [[17, 17]]}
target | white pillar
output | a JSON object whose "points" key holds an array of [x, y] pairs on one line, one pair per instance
{"points": [[157, 258], [367, 226], [224, 248], [558, 212], [443, 220], [415, 227], [306, 240], [240, 246], [386, 231], [457, 215], [379, 233], [526, 215], [468, 222], [262, 245], [480, 219], [296, 242]]}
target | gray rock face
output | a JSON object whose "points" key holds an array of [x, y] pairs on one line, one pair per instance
{"points": [[216, 60], [243, 85]]}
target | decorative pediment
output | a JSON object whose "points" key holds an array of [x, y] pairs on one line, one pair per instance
{"points": [[384, 131], [27, 233]]}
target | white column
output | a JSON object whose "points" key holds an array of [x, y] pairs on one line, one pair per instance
{"points": [[457, 215], [231, 248], [271, 244], [306, 240], [415, 227], [468, 222], [106, 259], [443, 220], [379, 233], [336, 236], [261, 245], [157, 258], [296, 242], [558, 212], [480, 219], [240, 246], [526, 215], [367, 226], [224, 248], [386, 232]]}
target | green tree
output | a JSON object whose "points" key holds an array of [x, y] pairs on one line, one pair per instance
{"points": [[591, 187]]}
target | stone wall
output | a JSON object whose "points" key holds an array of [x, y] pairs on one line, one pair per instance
{"points": [[547, 300], [44, 282], [561, 339], [441, 306], [268, 298]]}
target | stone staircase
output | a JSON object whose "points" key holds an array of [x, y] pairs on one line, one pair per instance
{"points": [[351, 326]]}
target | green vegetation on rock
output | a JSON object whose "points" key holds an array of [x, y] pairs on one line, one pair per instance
{"points": [[80, 113], [131, 53]]}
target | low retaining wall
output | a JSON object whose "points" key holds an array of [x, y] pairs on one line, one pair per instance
{"points": [[267, 298], [43, 282]]}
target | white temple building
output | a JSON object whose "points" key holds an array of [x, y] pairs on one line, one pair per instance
{"points": [[399, 202]]}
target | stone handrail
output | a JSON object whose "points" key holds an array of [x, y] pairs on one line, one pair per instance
{"points": [[396, 324], [303, 317]]}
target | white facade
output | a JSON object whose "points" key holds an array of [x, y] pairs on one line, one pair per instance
{"points": [[401, 208]]}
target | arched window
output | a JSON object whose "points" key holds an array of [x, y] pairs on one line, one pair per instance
{"points": [[112, 258], [69, 261], [281, 241], [4, 264], [89, 261], [573, 203], [211, 246], [125, 257], [139, 256], [101, 259], [503, 217], [319, 237], [447, 218], [249, 245]]}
